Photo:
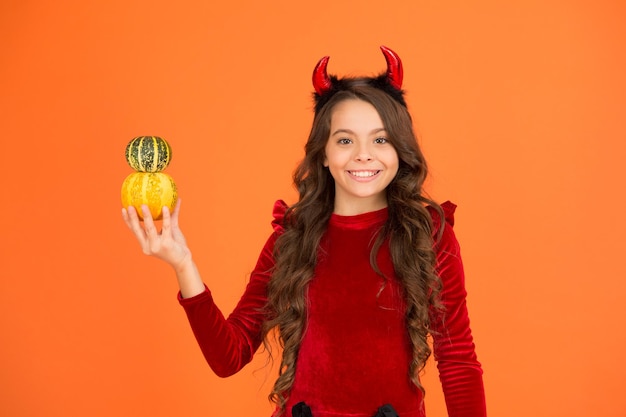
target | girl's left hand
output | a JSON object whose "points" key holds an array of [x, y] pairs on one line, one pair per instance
{"points": [[169, 244]]}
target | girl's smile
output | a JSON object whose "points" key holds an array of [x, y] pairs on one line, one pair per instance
{"points": [[363, 174]]}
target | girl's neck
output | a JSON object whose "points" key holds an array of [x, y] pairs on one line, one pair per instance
{"points": [[360, 206]]}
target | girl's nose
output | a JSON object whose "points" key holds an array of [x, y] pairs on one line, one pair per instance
{"points": [[364, 154]]}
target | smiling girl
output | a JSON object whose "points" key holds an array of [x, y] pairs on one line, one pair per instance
{"points": [[356, 276]]}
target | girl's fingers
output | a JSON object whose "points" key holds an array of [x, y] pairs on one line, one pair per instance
{"points": [[148, 223], [152, 240], [125, 215], [174, 216], [131, 215], [167, 220], [132, 221]]}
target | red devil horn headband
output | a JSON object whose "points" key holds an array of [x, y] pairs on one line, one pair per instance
{"points": [[394, 67], [321, 81], [323, 84]]}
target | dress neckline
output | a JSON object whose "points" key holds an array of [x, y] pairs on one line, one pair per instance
{"points": [[359, 221]]}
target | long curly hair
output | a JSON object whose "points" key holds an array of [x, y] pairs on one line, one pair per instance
{"points": [[408, 231]]}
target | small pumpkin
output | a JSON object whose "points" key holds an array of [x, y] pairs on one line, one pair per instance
{"points": [[154, 189], [148, 153]]}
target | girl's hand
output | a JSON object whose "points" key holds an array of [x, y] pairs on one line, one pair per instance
{"points": [[168, 244]]}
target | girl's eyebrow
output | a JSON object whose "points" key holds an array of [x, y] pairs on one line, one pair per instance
{"points": [[380, 129]]}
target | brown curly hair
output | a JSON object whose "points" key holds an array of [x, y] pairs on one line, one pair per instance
{"points": [[408, 229]]}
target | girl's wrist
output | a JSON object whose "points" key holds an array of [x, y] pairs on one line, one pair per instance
{"points": [[189, 280], [185, 267]]}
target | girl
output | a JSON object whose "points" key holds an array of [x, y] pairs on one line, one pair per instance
{"points": [[356, 275]]}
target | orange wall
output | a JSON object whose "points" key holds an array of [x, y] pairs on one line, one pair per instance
{"points": [[520, 106]]}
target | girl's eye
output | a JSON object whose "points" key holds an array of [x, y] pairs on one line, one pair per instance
{"points": [[380, 140], [344, 141]]}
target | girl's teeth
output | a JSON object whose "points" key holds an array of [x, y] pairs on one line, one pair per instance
{"points": [[363, 174]]}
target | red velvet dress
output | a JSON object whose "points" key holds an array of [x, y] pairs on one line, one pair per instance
{"points": [[355, 352]]}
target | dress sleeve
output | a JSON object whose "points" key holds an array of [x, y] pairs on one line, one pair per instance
{"points": [[228, 344], [459, 370]]}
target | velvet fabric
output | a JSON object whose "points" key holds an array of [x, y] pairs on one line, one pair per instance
{"points": [[355, 352]]}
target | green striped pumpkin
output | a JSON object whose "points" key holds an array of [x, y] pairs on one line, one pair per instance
{"points": [[148, 154]]}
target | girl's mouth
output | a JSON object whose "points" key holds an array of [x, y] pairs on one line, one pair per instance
{"points": [[363, 174]]}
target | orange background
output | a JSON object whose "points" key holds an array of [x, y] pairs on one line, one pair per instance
{"points": [[520, 107]]}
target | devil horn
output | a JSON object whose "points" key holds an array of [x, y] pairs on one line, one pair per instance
{"points": [[394, 67], [321, 81]]}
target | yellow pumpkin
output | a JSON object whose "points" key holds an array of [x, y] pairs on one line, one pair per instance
{"points": [[148, 153], [154, 189]]}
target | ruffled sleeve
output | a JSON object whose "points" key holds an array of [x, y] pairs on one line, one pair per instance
{"points": [[454, 349], [448, 209], [280, 208], [228, 344]]}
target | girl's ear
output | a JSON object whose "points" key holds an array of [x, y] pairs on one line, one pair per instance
{"points": [[325, 163]]}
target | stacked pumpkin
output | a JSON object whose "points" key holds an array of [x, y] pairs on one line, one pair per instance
{"points": [[149, 156]]}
